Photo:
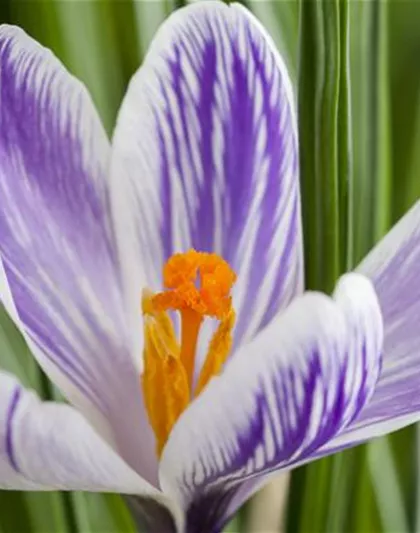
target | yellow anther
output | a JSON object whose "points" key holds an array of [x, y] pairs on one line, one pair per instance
{"points": [[219, 349], [161, 319], [164, 380], [197, 285]]}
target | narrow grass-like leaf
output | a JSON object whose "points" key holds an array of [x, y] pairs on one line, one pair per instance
{"points": [[148, 17], [371, 120], [90, 51], [41, 23], [126, 45], [404, 43], [345, 143], [98, 513], [363, 514], [373, 204], [281, 19], [387, 487], [319, 83], [33, 513], [325, 143], [404, 21], [411, 192], [342, 482], [14, 354]]}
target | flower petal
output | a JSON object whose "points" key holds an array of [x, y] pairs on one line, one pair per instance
{"points": [[58, 274], [394, 268], [205, 156], [46, 445], [288, 392], [50, 446]]}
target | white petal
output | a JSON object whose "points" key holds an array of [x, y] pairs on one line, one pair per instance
{"points": [[59, 276], [394, 268], [205, 156], [287, 393], [51, 446]]}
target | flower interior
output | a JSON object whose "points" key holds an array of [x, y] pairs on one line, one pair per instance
{"points": [[197, 285]]}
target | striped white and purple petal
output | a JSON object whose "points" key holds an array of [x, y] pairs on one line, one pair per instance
{"points": [[58, 274], [205, 155], [287, 393], [394, 268], [50, 446], [47, 445]]}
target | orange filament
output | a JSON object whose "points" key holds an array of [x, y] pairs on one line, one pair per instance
{"points": [[197, 285], [190, 328]]}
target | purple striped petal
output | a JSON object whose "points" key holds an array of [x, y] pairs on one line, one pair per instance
{"points": [[205, 156], [50, 446], [58, 272], [394, 268], [46, 445], [287, 393]]}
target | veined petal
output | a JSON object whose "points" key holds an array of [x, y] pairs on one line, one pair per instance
{"points": [[394, 268], [50, 446], [288, 392], [46, 445], [58, 274], [205, 156]]}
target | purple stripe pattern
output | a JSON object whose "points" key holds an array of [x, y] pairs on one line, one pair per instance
{"points": [[51, 216], [55, 243], [11, 397], [393, 266], [206, 141], [47, 446], [204, 155], [302, 380], [9, 427]]}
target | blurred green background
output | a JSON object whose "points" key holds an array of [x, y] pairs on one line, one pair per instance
{"points": [[356, 70]]}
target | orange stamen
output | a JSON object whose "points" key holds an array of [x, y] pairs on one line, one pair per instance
{"points": [[164, 382], [190, 328], [197, 285], [214, 278], [219, 349]]}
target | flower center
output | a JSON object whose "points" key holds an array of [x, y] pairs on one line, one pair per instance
{"points": [[197, 285]]}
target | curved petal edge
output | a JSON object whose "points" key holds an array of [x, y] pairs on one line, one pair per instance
{"points": [[205, 156], [282, 397]]}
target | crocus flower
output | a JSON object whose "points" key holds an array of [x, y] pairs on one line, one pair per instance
{"points": [[158, 282]]}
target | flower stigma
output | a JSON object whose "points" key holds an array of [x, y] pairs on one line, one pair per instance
{"points": [[197, 285]]}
